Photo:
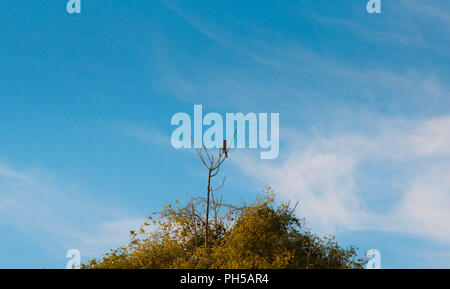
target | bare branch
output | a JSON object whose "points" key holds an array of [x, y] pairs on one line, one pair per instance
{"points": [[213, 170], [219, 187], [207, 153], [200, 156]]}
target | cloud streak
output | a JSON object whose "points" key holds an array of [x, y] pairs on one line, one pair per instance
{"points": [[62, 215], [326, 174], [144, 133]]}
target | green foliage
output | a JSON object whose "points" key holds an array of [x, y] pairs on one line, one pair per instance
{"points": [[260, 235]]}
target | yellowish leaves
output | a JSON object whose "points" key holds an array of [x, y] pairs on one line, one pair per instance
{"points": [[258, 235]]}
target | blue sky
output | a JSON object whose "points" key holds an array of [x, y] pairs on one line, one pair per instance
{"points": [[86, 102]]}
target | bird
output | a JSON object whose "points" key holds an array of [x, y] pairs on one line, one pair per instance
{"points": [[224, 148]]}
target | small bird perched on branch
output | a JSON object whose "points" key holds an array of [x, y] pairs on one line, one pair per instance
{"points": [[224, 148]]}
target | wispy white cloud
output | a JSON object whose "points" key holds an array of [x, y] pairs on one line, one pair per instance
{"points": [[221, 36], [326, 175], [393, 26], [432, 138], [107, 235], [434, 9], [144, 133], [6, 173], [287, 73], [425, 206], [62, 215], [322, 182]]}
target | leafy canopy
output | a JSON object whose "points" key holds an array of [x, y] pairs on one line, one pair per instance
{"points": [[261, 235]]}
